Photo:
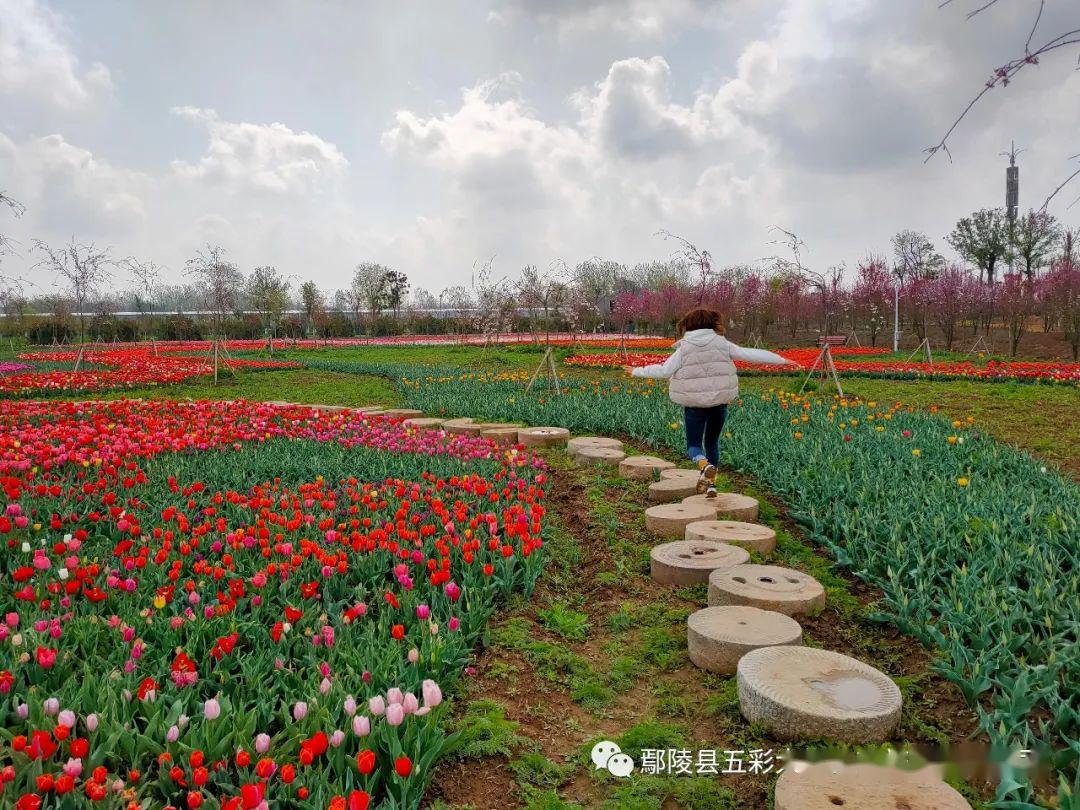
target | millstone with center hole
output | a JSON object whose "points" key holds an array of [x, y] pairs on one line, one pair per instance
{"points": [[768, 587], [681, 563], [863, 786], [808, 693], [730, 505], [543, 436], [579, 443], [464, 424], [500, 435], [642, 468], [407, 413], [424, 421], [667, 490], [681, 473], [717, 637], [753, 536], [599, 456], [671, 519]]}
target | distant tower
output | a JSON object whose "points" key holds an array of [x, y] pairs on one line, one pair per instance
{"points": [[1012, 185]]}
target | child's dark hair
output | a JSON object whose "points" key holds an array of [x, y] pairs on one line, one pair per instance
{"points": [[701, 318]]}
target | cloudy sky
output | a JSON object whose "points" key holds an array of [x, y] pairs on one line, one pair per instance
{"points": [[313, 135]]}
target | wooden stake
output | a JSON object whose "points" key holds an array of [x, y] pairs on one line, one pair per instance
{"points": [[547, 365], [78, 360], [823, 363]]}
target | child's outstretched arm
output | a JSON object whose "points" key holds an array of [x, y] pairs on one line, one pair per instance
{"points": [[660, 371], [761, 356]]}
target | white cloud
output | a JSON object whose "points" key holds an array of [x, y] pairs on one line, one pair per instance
{"points": [[636, 19], [260, 157], [66, 188], [37, 63]]}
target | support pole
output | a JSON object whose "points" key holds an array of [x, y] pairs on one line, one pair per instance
{"points": [[78, 360]]}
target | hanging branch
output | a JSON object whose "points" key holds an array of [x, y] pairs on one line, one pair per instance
{"points": [[1004, 74]]}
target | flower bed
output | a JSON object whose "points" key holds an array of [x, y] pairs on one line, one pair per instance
{"points": [[237, 605], [993, 370], [8, 367], [121, 369], [975, 545]]}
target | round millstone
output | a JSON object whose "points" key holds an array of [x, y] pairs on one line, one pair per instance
{"points": [[681, 473], [682, 563], [667, 490], [543, 436], [809, 693], [862, 786], [424, 421], [501, 435], [464, 424], [671, 519], [717, 637], [579, 443], [730, 505], [599, 456], [753, 536], [406, 413], [642, 467], [768, 587]]}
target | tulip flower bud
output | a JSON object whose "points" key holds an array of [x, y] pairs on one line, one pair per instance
{"points": [[395, 714], [432, 693], [91, 722], [172, 735], [299, 711], [350, 706], [212, 709], [376, 705], [262, 743], [394, 695]]}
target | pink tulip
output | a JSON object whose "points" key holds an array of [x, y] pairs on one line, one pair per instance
{"points": [[66, 718], [73, 767], [350, 706], [454, 623], [361, 726], [414, 655], [410, 704], [22, 711], [262, 743], [172, 735], [394, 695], [395, 714], [337, 738], [432, 693], [12, 620], [376, 705], [422, 611], [91, 722], [52, 706], [212, 709], [299, 711]]}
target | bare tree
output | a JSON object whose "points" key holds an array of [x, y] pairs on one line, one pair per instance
{"points": [[699, 260], [914, 254], [81, 267], [542, 292], [146, 275], [1005, 73], [219, 282]]}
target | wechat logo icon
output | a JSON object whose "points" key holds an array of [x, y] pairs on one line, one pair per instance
{"points": [[608, 755]]}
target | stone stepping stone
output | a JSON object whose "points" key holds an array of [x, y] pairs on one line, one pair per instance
{"points": [[462, 425], [424, 422], [681, 473], [682, 563], [642, 468], [671, 519], [372, 411], [863, 786], [503, 435], [717, 637], [579, 443], [802, 693], [599, 456], [543, 436], [405, 413], [768, 587], [667, 490], [730, 505], [753, 536]]}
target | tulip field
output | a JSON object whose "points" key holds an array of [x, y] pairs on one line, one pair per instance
{"points": [[236, 605], [250, 605], [974, 545]]}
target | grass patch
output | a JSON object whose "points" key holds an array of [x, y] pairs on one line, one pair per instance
{"points": [[570, 624], [486, 731]]}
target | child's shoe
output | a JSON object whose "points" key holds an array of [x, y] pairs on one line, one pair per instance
{"points": [[706, 479], [710, 492]]}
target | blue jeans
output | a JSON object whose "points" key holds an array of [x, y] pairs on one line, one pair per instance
{"points": [[703, 428]]}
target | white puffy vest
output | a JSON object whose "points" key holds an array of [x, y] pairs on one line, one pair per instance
{"points": [[707, 375]]}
